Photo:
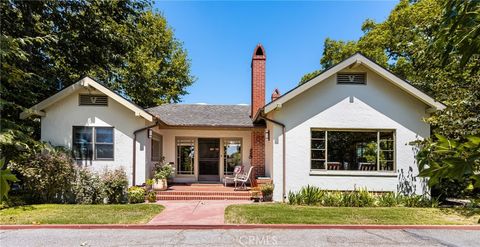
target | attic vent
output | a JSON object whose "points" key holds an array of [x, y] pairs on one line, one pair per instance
{"points": [[99, 100], [351, 78]]}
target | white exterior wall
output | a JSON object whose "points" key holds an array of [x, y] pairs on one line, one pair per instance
{"points": [[56, 128], [377, 105], [169, 146]]}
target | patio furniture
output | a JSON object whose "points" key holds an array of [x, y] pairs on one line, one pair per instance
{"points": [[333, 165], [236, 171], [242, 179], [367, 166]]}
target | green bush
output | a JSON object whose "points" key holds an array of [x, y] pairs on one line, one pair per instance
{"points": [[88, 187], [267, 191], [333, 199], [116, 183], [152, 196], [388, 200], [46, 175], [136, 194], [311, 195]]}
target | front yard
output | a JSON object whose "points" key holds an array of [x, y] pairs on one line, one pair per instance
{"points": [[288, 214], [80, 214]]}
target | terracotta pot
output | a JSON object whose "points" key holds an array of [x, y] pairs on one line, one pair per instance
{"points": [[160, 184]]}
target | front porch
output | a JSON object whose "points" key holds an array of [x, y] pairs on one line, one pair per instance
{"points": [[203, 191]]}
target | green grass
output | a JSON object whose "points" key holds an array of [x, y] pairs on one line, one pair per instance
{"points": [[80, 214], [288, 214]]}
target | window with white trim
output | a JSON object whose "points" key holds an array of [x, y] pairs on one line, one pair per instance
{"points": [[185, 155], [354, 150], [93, 143]]}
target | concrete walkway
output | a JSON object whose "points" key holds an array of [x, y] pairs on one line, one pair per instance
{"points": [[193, 212]]}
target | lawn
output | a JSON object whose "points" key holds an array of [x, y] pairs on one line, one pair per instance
{"points": [[288, 214], [80, 214]]}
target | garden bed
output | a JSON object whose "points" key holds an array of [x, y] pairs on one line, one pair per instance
{"points": [[293, 214], [79, 214]]}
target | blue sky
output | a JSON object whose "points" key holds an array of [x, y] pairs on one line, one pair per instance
{"points": [[220, 38]]}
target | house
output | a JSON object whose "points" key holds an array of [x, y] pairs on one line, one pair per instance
{"points": [[349, 127]]}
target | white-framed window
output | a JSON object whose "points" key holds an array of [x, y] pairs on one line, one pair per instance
{"points": [[185, 152], [352, 150], [232, 154], [95, 143], [156, 147]]}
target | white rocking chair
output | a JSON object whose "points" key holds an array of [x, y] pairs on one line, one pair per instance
{"points": [[242, 179]]}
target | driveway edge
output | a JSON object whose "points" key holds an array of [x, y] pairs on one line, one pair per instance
{"points": [[246, 226]]}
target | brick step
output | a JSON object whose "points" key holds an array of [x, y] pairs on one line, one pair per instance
{"points": [[203, 193], [197, 197]]}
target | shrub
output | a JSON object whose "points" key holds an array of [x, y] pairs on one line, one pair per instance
{"points": [[46, 176], [88, 188], [136, 194], [152, 196], [333, 199], [267, 191], [388, 200], [116, 183], [358, 198], [293, 198], [311, 195]]}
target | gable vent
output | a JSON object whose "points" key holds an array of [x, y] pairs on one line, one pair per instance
{"points": [[98, 100], [351, 78]]}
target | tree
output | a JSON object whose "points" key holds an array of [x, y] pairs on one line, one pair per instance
{"points": [[48, 45], [406, 43]]}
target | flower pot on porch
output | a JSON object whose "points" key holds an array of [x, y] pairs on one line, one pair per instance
{"points": [[160, 184]]}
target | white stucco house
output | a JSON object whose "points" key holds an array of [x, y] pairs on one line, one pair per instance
{"points": [[347, 128]]}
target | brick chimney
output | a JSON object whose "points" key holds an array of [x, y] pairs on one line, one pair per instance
{"points": [[258, 101], [258, 79], [276, 94]]}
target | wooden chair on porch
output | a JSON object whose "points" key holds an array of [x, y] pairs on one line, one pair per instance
{"points": [[242, 179]]}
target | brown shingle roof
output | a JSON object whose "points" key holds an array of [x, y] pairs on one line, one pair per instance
{"points": [[203, 115]]}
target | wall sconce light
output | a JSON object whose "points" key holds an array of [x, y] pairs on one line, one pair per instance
{"points": [[150, 133], [267, 135]]}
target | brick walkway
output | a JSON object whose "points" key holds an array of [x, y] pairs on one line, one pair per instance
{"points": [[193, 212]]}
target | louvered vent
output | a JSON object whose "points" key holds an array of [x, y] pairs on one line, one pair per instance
{"points": [[99, 100], [351, 78]]}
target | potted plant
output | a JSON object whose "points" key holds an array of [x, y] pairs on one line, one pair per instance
{"points": [[151, 196], [162, 172], [255, 194], [149, 183], [267, 192]]}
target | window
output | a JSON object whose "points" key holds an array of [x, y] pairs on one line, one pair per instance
{"points": [[93, 143], [156, 147], [92, 100], [352, 150], [185, 156], [232, 153], [351, 78]]}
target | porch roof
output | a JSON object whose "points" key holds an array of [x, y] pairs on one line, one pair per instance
{"points": [[203, 115]]}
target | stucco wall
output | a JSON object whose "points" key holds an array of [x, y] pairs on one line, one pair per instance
{"points": [[169, 144], [56, 128], [377, 105]]}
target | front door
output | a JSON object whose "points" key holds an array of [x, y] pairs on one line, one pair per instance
{"points": [[208, 159]]}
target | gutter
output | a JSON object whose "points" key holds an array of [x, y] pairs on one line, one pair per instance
{"points": [[135, 149], [284, 139]]}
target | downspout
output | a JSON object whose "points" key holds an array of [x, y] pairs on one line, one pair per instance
{"points": [[284, 139], [135, 149]]}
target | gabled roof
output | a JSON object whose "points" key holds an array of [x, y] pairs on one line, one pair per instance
{"points": [[84, 83], [203, 115], [357, 59]]}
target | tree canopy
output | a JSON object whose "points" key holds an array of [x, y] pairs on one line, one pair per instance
{"points": [[434, 45], [49, 45]]}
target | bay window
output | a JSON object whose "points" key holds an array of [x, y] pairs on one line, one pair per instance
{"points": [[365, 150]]}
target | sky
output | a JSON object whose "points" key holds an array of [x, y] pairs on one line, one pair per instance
{"points": [[220, 38]]}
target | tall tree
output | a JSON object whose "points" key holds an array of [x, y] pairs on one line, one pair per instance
{"points": [[406, 43], [48, 45]]}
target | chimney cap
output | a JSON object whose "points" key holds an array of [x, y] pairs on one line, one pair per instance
{"points": [[259, 52]]}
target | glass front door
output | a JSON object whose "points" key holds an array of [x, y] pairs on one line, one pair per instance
{"points": [[208, 159]]}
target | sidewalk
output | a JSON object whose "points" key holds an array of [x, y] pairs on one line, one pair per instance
{"points": [[193, 212]]}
